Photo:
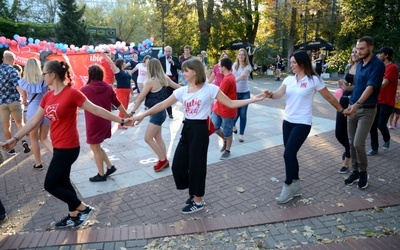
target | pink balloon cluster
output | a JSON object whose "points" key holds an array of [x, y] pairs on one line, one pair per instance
{"points": [[38, 45]]}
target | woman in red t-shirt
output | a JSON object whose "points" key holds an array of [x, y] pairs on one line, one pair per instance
{"points": [[60, 105]]}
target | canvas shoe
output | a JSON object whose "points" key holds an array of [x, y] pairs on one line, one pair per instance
{"points": [[343, 170], [225, 155], [386, 145], [110, 171], [11, 152], [223, 147], [98, 178], [26, 146], [372, 152]]}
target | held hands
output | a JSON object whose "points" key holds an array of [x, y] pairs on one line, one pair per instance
{"points": [[343, 84], [137, 119], [351, 110], [129, 121], [259, 97], [268, 93], [9, 144]]}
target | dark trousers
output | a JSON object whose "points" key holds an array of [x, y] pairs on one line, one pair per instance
{"points": [[169, 92], [341, 127], [57, 180], [2, 209], [383, 113], [294, 135], [189, 166], [134, 78]]}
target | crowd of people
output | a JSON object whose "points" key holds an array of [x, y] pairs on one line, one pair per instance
{"points": [[220, 94]]}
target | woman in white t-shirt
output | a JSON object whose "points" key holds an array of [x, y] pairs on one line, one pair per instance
{"points": [[189, 165], [241, 70], [142, 69], [300, 90]]}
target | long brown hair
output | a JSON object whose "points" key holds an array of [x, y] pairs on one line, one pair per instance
{"points": [[61, 69], [198, 67]]}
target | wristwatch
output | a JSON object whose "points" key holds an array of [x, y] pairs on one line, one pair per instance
{"points": [[122, 122], [359, 105]]}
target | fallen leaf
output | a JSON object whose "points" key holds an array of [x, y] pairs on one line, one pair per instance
{"points": [[369, 233], [295, 231], [341, 228], [378, 209], [240, 189], [273, 179], [340, 204], [370, 199], [381, 179]]}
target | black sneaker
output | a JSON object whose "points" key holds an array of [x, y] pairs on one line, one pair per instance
{"points": [[190, 200], [343, 170], [110, 171], [67, 221], [83, 216], [26, 147], [97, 178], [12, 152], [3, 217], [363, 181], [352, 178], [192, 208], [38, 167]]}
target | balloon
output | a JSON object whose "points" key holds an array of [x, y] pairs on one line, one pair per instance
{"points": [[2, 39], [30, 40], [1, 45], [16, 37], [144, 43], [152, 39], [338, 93], [6, 45], [72, 46], [64, 50]]}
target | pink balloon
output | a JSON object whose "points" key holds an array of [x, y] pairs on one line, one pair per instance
{"points": [[144, 43], [338, 93], [151, 39]]}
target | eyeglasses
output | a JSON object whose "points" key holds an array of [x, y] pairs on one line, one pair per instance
{"points": [[43, 74]]}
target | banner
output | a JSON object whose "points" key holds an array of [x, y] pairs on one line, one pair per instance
{"points": [[22, 54]]}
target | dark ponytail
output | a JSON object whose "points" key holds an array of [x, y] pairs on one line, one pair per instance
{"points": [[61, 69]]}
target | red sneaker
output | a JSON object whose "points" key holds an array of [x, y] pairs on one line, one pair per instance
{"points": [[161, 165]]}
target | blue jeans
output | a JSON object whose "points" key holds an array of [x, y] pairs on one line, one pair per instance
{"points": [[294, 135], [383, 113], [242, 112], [225, 123]]}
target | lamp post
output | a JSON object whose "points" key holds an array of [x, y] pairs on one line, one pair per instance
{"points": [[162, 5]]}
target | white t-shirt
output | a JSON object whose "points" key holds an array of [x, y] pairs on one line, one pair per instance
{"points": [[299, 98], [197, 105], [242, 86], [142, 70]]}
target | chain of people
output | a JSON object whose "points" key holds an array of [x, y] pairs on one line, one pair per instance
{"points": [[216, 97]]}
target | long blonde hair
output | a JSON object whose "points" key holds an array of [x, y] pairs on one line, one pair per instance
{"points": [[156, 72], [33, 71], [246, 59]]}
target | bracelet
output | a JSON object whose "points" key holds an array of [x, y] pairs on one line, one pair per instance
{"points": [[16, 139], [341, 111], [272, 96], [122, 122], [133, 112]]}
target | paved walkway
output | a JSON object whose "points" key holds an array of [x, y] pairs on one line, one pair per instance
{"points": [[137, 207]]}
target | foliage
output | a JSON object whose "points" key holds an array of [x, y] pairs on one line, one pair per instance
{"points": [[4, 11], [41, 11], [35, 30], [71, 29]]}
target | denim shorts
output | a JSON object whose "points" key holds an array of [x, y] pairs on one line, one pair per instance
{"points": [[225, 123], [159, 118]]}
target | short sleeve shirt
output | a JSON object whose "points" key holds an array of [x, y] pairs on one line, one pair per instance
{"points": [[8, 83], [299, 98], [197, 105], [387, 95], [228, 87], [123, 80], [62, 111], [242, 86]]}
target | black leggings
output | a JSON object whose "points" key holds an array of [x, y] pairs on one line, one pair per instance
{"points": [[341, 127], [57, 180], [189, 166]]}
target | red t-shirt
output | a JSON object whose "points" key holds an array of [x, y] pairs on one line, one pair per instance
{"points": [[228, 87], [387, 95], [62, 111]]}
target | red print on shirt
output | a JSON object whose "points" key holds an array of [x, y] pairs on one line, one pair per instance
{"points": [[303, 85], [192, 107], [51, 112]]}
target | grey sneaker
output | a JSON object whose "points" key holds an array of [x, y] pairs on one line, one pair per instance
{"points": [[286, 195], [296, 188], [386, 145], [225, 155]]}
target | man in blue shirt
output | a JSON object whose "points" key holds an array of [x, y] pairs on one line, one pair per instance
{"points": [[362, 111]]}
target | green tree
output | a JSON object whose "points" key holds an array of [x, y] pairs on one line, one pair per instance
{"points": [[17, 12], [40, 11], [4, 12], [71, 29]]}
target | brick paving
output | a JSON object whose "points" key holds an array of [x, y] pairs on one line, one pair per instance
{"points": [[133, 217]]}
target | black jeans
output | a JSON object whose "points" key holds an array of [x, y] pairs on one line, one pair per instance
{"points": [[57, 180], [294, 135], [2, 209], [383, 113]]}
